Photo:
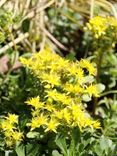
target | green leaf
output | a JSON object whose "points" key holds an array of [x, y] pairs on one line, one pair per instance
{"points": [[33, 149], [71, 57], [101, 87], [89, 79], [81, 147], [25, 25], [86, 98], [56, 153], [32, 135], [75, 136], [97, 150], [20, 150], [61, 143], [105, 143]]}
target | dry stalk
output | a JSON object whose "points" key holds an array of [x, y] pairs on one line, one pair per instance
{"points": [[112, 7], [16, 41], [52, 38], [32, 13], [26, 7], [92, 9], [2, 2]]}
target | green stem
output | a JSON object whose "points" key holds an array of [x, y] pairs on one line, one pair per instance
{"points": [[109, 92], [14, 59], [25, 150], [99, 62]]}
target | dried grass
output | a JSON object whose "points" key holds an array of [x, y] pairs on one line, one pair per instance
{"points": [[35, 11]]}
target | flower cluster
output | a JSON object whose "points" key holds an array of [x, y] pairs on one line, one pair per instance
{"points": [[9, 128], [64, 84], [101, 26]]}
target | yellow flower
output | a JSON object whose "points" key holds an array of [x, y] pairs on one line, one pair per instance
{"points": [[63, 84], [8, 134], [52, 79], [92, 90], [89, 66], [49, 107], [67, 115], [96, 125], [12, 137], [38, 121], [33, 124], [76, 109], [62, 64], [52, 125], [73, 69], [80, 122], [35, 102], [12, 118], [52, 94], [6, 125], [73, 88], [58, 114], [64, 99], [98, 25], [80, 75], [17, 136], [9, 142], [25, 61], [61, 97], [11, 134], [77, 115], [92, 124], [88, 122], [35, 112]]}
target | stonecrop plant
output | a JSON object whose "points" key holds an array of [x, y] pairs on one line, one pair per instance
{"points": [[10, 130], [59, 105], [103, 26], [63, 84], [103, 34]]}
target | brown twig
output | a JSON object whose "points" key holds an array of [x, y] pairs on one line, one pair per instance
{"points": [[2, 2], [32, 13], [16, 41], [54, 39]]}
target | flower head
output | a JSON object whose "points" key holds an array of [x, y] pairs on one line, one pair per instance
{"points": [[17, 136], [64, 84], [52, 125], [12, 118], [35, 102], [89, 66], [9, 127], [92, 90], [38, 121], [100, 26]]}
